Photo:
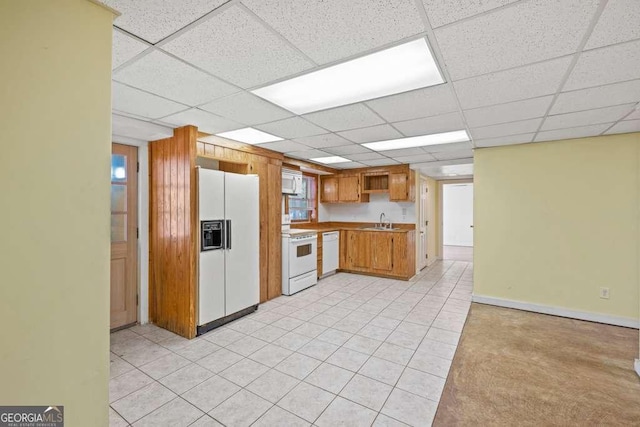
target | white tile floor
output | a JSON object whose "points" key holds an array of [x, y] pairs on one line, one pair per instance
{"points": [[353, 350]]}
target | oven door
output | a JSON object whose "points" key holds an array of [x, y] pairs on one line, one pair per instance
{"points": [[302, 255]]}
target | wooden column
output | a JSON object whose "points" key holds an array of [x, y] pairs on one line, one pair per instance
{"points": [[173, 231]]}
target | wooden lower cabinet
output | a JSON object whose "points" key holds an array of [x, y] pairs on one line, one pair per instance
{"points": [[358, 250], [381, 253]]}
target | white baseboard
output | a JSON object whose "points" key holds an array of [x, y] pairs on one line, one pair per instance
{"points": [[559, 311], [636, 365]]}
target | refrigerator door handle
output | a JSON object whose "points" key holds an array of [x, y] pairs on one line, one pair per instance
{"points": [[228, 234]]}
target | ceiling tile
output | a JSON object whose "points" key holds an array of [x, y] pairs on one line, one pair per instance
{"points": [[294, 127], [234, 46], [635, 115], [244, 107], [206, 122], [333, 29], [153, 20], [596, 97], [415, 104], [606, 65], [347, 149], [364, 156], [347, 165], [579, 132], [455, 154], [308, 154], [124, 48], [134, 101], [416, 151], [442, 12], [448, 147], [344, 118], [510, 112], [371, 134], [322, 141], [526, 82], [380, 162], [415, 159], [504, 140], [284, 146], [589, 117], [625, 127], [163, 75], [528, 32], [619, 22], [138, 129], [504, 129], [430, 125]]}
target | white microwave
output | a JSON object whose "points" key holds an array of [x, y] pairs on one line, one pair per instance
{"points": [[291, 181]]}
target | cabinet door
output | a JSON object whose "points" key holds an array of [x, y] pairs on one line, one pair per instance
{"points": [[329, 190], [398, 187], [359, 250], [382, 248], [349, 189]]}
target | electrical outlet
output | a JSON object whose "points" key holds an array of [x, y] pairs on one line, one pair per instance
{"points": [[604, 293]]}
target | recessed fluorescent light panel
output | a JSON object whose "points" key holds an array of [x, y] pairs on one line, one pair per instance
{"points": [[419, 141], [250, 136], [329, 160], [398, 69]]}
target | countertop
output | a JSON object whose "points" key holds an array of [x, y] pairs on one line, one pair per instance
{"points": [[322, 227]]}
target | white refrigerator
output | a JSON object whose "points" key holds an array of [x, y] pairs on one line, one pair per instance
{"points": [[228, 270]]}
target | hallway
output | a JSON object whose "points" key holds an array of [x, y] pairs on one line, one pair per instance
{"points": [[457, 253]]}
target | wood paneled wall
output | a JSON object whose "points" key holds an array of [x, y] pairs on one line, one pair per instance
{"points": [[173, 231], [243, 158]]}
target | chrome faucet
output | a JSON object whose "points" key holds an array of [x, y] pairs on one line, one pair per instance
{"points": [[383, 220]]}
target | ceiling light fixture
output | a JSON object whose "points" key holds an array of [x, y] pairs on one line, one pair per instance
{"points": [[398, 69], [249, 136], [329, 160], [419, 141]]}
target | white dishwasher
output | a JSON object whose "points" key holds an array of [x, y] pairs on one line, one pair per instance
{"points": [[330, 252]]}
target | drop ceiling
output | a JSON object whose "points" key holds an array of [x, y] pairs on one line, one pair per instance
{"points": [[515, 72]]}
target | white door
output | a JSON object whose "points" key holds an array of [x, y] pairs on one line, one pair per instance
{"points": [[243, 242], [422, 262], [211, 271], [457, 216]]}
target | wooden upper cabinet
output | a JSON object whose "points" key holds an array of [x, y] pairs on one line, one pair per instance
{"points": [[401, 187], [329, 189], [382, 249], [349, 188], [355, 186]]}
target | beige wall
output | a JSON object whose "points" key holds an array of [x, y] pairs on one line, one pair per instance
{"points": [[555, 221], [54, 182]]}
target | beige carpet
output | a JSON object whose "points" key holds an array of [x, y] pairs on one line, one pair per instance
{"points": [[518, 368]]}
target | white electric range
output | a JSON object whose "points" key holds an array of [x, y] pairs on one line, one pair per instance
{"points": [[299, 258]]}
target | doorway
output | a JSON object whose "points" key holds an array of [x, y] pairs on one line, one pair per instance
{"points": [[457, 222], [124, 235]]}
